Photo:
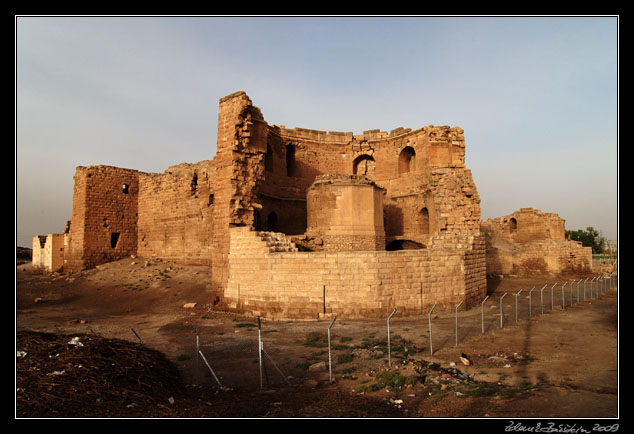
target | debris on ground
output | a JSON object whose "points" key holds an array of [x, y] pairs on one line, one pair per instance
{"points": [[429, 372], [76, 376], [465, 359]]}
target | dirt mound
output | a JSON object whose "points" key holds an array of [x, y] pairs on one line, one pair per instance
{"points": [[79, 376], [83, 375]]}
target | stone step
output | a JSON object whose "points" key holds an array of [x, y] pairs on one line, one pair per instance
{"points": [[277, 242]]}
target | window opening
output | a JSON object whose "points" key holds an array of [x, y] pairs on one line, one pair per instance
{"points": [[256, 220], [406, 160], [290, 160], [268, 159], [125, 188], [513, 225], [424, 221], [114, 239], [194, 184], [271, 222], [364, 165]]}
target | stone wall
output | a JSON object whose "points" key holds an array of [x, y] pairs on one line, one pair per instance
{"points": [[296, 285], [552, 257], [428, 188], [530, 242], [176, 212], [48, 252], [259, 179], [239, 161], [104, 220], [526, 225]]}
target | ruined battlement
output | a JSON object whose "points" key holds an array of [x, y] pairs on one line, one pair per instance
{"points": [[272, 191], [531, 242]]}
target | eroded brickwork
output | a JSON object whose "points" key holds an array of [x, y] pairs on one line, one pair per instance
{"points": [[176, 213], [104, 221], [530, 242], [399, 228]]}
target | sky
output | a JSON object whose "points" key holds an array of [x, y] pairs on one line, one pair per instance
{"points": [[537, 97]]}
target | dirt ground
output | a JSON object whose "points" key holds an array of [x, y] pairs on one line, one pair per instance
{"points": [[562, 363]]}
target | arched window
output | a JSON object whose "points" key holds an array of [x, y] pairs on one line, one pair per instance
{"points": [[271, 222], [290, 160], [268, 159], [406, 160], [424, 221], [364, 165], [513, 225]]}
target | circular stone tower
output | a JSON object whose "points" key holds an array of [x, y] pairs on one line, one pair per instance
{"points": [[346, 213]]}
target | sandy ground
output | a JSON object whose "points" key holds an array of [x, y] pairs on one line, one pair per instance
{"points": [[559, 364]]}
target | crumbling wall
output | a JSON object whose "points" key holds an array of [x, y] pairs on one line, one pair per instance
{"points": [[176, 212], [530, 242], [48, 252], [104, 219], [428, 188], [259, 179], [239, 167]]}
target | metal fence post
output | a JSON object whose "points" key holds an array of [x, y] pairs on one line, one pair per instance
{"points": [[483, 301], [578, 283], [196, 376], [137, 335], [431, 348], [552, 296], [516, 313], [571, 284], [541, 294], [389, 355], [584, 288], [329, 353], [457, 321], [260, 351], [598, 286], [502, 311], [212, 371], [530, 302], [562, 296]]}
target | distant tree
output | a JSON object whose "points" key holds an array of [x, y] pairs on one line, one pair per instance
{"points": [[588, 238]]}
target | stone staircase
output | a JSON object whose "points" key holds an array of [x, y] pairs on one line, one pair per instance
{"points": [[277, 242]]}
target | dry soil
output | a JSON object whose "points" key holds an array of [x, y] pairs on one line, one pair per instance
{"points": [[562, 363]]}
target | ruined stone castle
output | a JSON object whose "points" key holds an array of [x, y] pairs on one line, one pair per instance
{"points": [[298, 223]]}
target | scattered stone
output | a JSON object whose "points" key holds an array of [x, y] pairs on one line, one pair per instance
{"points": [[320, 366]]}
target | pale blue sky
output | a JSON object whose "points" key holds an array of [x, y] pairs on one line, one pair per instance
{"points": [[536, 96]]}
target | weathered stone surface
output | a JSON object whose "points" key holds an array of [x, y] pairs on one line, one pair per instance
{"points": [[530, 242], [374, 193]]}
